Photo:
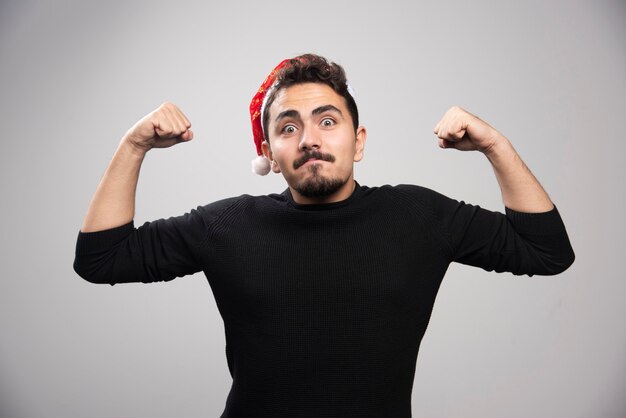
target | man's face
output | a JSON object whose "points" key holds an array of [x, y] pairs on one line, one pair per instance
{"points": [[313, 143]]}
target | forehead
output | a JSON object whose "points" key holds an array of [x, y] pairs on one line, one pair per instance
{"points": [[305, 97]]}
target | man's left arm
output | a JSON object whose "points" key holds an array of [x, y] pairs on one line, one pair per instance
{"points": [[540, 244], [520, 189]]}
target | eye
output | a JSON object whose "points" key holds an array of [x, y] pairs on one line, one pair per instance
{"points": [[288, 129], [328, 122]]}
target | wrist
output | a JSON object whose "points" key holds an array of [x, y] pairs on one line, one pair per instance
{"points": [[129, 148], [501, 148]]}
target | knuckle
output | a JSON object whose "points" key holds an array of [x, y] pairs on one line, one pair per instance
{"points": [[167, 105]]}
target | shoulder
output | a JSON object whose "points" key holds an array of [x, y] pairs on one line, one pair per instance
{"points": [[242, 200], [413, 200], [233, 208], [410, 193]]}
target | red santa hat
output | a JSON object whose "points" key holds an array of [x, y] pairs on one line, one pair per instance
{"points": [[261, 165]]}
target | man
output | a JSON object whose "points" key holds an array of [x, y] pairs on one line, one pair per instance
{"points": [[325, 289]]}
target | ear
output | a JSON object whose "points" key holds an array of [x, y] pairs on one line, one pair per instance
{"points": [[361, 137], [267, 152]]}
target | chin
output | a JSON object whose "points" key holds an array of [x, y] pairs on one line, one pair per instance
{"points": [[320, 186]]}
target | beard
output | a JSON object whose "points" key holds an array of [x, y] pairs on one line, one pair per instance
{"points": [[317, 185]]}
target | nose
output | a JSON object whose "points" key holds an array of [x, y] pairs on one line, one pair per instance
{"points": [[310, 139]]}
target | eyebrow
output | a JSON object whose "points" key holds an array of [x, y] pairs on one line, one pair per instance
{"points": [[326, 108], [290, 113]]}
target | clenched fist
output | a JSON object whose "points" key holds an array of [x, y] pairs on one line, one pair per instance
{"points": [[161, 128], [461, 130]]}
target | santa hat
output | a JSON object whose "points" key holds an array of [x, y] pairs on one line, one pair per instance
{"points": [[261, 165]]}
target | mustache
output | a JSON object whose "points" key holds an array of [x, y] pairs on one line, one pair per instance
{"points": [[312, 154]]}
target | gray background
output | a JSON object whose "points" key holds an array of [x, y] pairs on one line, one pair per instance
{"points": [[75, 75]]}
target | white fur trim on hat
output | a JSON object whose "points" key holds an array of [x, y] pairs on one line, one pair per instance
{"points": [[261, 165]]}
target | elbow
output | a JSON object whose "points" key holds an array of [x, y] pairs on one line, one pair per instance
{"points": [[558, 264], [97, 254], [91, 273], [567, 261], [545, 262]]}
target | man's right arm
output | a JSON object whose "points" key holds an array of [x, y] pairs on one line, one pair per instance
{"points": [[108, 248], [113, 203]]}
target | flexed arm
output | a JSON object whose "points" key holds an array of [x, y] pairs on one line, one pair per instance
{"points": [[520, 189], [113, 203], [531, 239]]}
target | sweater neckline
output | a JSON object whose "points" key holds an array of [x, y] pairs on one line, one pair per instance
{"points": [[321, 206]]}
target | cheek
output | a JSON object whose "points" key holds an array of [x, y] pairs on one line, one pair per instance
{"points": [[347, 148], [282, 155]]}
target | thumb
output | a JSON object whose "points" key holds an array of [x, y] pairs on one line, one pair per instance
{"points": [[187, 135]]}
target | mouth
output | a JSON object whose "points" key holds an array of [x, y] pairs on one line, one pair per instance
{"points": [[311, 158]]}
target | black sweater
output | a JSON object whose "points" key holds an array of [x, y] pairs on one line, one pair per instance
{"points": [[325, 306]]}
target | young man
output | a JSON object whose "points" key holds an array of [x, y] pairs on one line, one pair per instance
{"points": [[325, 289]]}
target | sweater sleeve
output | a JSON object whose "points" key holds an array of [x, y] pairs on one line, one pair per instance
{"points": [[156, 251], [516, 242]]}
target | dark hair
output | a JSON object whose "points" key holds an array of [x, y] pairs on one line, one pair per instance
{"points": [[311, 68]]}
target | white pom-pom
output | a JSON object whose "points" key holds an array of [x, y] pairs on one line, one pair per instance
{"points": [[261, 165]]}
